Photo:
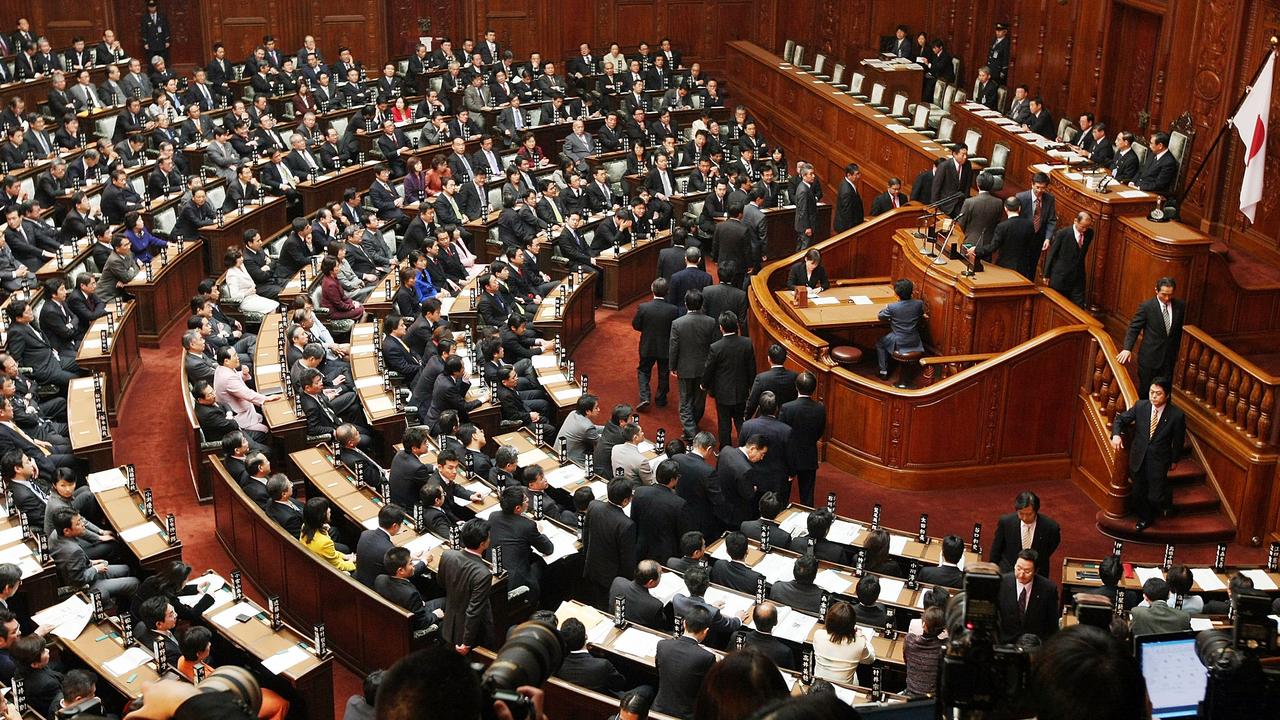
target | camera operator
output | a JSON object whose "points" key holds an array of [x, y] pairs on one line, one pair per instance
{"points": [[1083, 672], [439, 684]]}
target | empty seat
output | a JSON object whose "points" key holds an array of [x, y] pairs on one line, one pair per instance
{"points": [[798, 58], [820, 66], [877, 98], [855, 86], [788, 48], [846, 356], [837, 77], [1002, 99], [946, 129], [1178, 145], [971, 140], [920, 120], [1065, 129], [899, 108]]}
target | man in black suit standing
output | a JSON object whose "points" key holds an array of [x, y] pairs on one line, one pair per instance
{"points": [[466, 577], [517, 537], [848, 201], [1025, 528], [980, 214], [892, 198], [947, 572], [777, 379], [1159, 430], [1015, 240], [1160, 173], [1064, 265], [952, 180], [609, 542], [659, 514], [682, 664], [732, 486], [732, 241], [773, 473], [731, 364], [642, 607], [806, 202], [691, 339], [581, 667], [1027, 601], [1159, 321], [653, 319], [808, 421]]}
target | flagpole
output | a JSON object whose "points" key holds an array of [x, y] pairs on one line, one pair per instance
{"points": [[1274, 42]]}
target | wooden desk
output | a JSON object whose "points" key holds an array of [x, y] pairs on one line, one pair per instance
{"points": [[329, 187], [1076, 191], [124, 510], [781, 226], [1143, 251], [268, 217], [1083, 572], [379, 402], [87, 438], [120, 359], [627, 277], [1025, 148], [40, 581], [166, 296], [364, 630], [379, 303], [897, 78], [854, 533], [271, 375], [70, 256], [100, 643], [577, 315], [844, 312]]}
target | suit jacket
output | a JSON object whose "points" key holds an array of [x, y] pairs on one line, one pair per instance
{"points": [[721, 297], [642, 607], [1160, 174], [30, 348], [883, 203], [1125, 166], [403, 593], [979, 216], [408, 475], [1158, 618], [594, 673], [806, 202], [468, 617], [735, 575], [808, 421], [61, 326], [691, 339], [732, 487], [370, 551], [1017, 243], [1008, 542], [733, 242], [1064, 265], [653, 319], [1042, 124], [944, 575], [1041, 617], [518, 536], [288, 516], [848, 207], [660, 518], [1157, 450], [1048, 214], [731, 364], [801, 596], [1159, 346], [1104, 151], [777, 536], [778, 380], [321, 417], [988, 94], [609, 544], [905, 318], [682, 664], [948, 182]]}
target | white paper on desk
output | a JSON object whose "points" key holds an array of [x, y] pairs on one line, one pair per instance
{"points": [[897, 544], [423, 544], [890, 589], [475, 486], [555, 377], [531, 457], [564, 476], [1133, 194], [730, 604], [860, 300], [1261, 580], [30, 566], [446, 304], [920, 598], [1201, 623], [600, 491], [1207, 579], [794, 625], [485, 513], [272, 368], [11, 535], [1074, 176], [227, 618], [1042, 167], [843, 531], [370, 523], [721, 552], [545, 360], [371, 381], [128, 660], [138, 532], [832, 581], [567, 394], [221, 597], [104, 480], [645, 447], [901, 128], [637, 643], [68, 617], [380, 403], [598, 632], [848, 695], [824, 301], [285, 659], [15, 554], [797, 522], [669, 584], [362, 349], [563, 543], [1146, 573], [361, 330], [775, 568]]}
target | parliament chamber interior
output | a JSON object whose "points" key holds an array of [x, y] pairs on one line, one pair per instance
{"points": [[318, 323]]}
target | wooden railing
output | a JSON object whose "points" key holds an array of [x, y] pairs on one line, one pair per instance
{"points": [[1226, 384], [942, 367]]}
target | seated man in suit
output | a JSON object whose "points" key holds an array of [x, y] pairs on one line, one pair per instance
{"points": [[693, 552], [697, 579], [682, 665], [642, 606], [283, 508], [801, 592], [157, 618], [395, 586], [734, 573], [1157, 616], [947, 572], [1160, 173], [870, 611], [815, 541], [905, 318], [75, 567], [1027, 601], [770, 506], [581, 667]]}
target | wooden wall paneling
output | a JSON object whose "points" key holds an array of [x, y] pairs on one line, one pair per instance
{"points": [[240, 24], [358, 25]]}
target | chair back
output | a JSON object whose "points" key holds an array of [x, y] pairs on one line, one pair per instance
{"points": [[165, 220], [837, 74], [798, 58], [819, 62], [921, 117], [946, 129], [899, 105], [971, 139], [939, 91], [999, 155], [877, 94], [1065, 129], [855, 82], [788, 48]]}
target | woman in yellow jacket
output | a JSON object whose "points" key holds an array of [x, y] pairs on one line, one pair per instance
{"points": [[315, 535]]}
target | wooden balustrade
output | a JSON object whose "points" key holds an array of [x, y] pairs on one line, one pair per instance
{"points": [[944, 366], [1226, 384]]}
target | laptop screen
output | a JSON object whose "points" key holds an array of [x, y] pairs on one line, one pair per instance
{"points": [[1175, 677]]}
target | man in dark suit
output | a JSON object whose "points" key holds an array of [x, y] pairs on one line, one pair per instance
{"points": [[947, 573], [732, 486], [1027, 601], [156, 34], [814, 541], [801, 593], [980, 214], [808, 421], [1159, 321], [848, 201], [395, 586], [939, 66], [157, 619], [1064, 265], [372, 547], [1124, 166], [891, 198], [659, 514], [692, 277], [952, 180], [653, 319], [986, 91], [1158, 435], [466, 577], [1160, 173], [682, 663], [1040, 121], [905, 318], [691, 339], [758, 637], [1014, 243], [1025, 528], [1041, 207], [1102, 151], [770, 506], [734, 573], [778, 379], [642, 607], [283, 508], [727, 295], [31, 349], [408, 472], [517, 537], [731, 365], [581, 667], [609, 542], [773, 473], [806, 202]]}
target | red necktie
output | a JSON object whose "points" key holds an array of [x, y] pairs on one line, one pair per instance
{"points": [[895, 199]]}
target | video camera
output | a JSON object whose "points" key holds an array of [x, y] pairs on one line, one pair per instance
{"points": [[532, 654], [1239, 684]]}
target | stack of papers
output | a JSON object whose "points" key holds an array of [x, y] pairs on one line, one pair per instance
{"points": [[138, 532], [565, 476], [824, 301], [531, 457], [567, 394], [1208, 580], [130, 659], [796, 523], [598, 632], [843, 531], [794, 625], [897, 544], [11, 535], [669, 585], [227, 618], [730, 604], [637, 643], [286, 659], [68, 617], [107, 480], [563, 543], [1261, 580], [380, 403], [860, 300], [775, 568], [423, 544], [545, 360], [890, 589], [832, 581], [1146, 573], [371, 381]]}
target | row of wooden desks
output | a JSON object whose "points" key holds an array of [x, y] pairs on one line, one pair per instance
{"points": [[377, 398], [35, 91], [164, 291], [119, 358], [1083, 572], [87, 421], [267, 217], [567, 313], [628, 274], [1025, 148]]}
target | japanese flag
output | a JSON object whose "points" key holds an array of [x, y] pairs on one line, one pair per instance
{"points": [[1251, 122]]}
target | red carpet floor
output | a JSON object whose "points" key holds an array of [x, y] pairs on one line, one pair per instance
{"points": [[150, 436]]}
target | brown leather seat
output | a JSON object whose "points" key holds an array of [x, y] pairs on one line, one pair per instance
{"points": [[846, 355], [909, 365]]}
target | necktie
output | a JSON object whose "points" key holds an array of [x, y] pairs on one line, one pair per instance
{"points": [[666, 184], [285, 175], [1022, 600], [43, 449], [895, 199], [1079, 239], [519, 120], [1026, 536], [1155, 420], [310, 160], [1168, 317], [555, 209], [1035, 215]]}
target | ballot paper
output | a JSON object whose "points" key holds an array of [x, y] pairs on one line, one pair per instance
{"points": [[775, 567], [127, 661], [1199, 623], [796, 523], [215, 586], [565, 476], [1261, 580], [567, 394], [824, 301], [227, 618], [890, 589], [637, 643], [475, 486], [531, 457], [831, 581], [794, 625], [730, 604], [597, 633], [446, 304], [107, 480], [11, 535], [1146, 573], [371, 381], [843, 531], [545, 360], [485, 513], [423, 544], [897, 544], [860, 300], [68, 618], [138, 532], [563, 543], [286, 659], [380, 403], [1208, 580], [669, 585]]}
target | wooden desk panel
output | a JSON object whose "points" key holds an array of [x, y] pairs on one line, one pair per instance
{"points": [[125, 510], [87, 438], [577, 315], [329, 187], [166, 297], [844, 313], [627, 277], [121, 358], [67, 259], [1024, 149], [267, 218], [1143, 252], [378, 402]]}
